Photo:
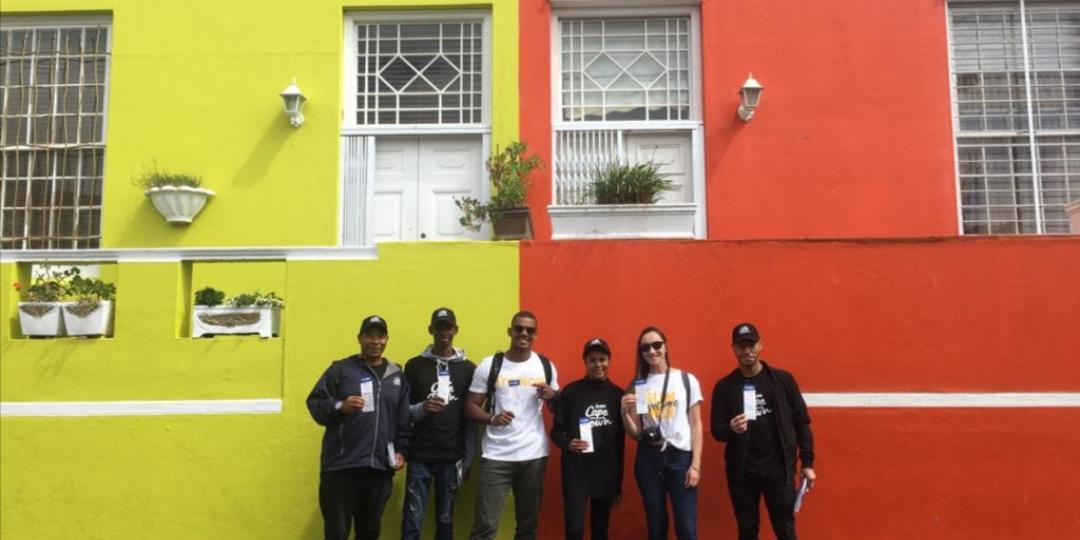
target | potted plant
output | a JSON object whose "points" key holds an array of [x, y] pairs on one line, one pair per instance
{"points": [[178, 197], [509, 171], [246, 313], [621, 183], [90, 314], [40, 306]]}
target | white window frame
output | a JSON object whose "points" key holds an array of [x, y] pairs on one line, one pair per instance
{"points": [[363, 184], [694, 125], [14, 21], [1031, 133]]}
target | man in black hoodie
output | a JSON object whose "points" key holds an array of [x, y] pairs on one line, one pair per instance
{"points": [[443, 442], [758, 411], [363, 401], [590, 471]]}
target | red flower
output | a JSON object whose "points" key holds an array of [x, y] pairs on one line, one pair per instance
{"points": [[18, 286]]}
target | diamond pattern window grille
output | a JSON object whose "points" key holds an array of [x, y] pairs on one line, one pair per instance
{"points": [[52, 137], [420, 73], [625, 69], [1013, 181]]}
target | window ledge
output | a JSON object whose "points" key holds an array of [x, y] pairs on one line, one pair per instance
{"points": [[623, 221], [305, 253]]}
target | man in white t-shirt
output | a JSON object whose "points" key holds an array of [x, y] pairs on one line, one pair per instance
{"points": [[515, 445]]}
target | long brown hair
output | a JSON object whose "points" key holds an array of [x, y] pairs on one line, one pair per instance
{"points": [[641, 365]]}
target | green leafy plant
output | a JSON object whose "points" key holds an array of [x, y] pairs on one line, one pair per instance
{"points": [[256, 299], [50, 285], [155, 178], [209, 296], [88, 293], [509, 170], [620, 183]]}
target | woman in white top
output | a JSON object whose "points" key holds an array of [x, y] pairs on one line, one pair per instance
{"points": [[668, 462]]}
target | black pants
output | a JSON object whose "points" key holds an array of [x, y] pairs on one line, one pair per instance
{"points": [[574, 508], [353, 496], [746, 492]]}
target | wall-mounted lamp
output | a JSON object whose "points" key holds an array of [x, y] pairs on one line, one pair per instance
{"points": [[294, 104], [749, 98]]}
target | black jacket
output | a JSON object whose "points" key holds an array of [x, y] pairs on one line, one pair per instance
{"points": [[448, 435], [792, 419], [598, 474], [361, 439]]}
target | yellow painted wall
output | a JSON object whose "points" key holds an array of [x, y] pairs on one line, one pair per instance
{"points": [[194, 88], [228, 476]]}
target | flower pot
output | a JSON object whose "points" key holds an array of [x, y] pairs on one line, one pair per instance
{"points": [[178, 204], [218, 320], [1073, 211], [512, 223], [41, 319], [92, 320]]}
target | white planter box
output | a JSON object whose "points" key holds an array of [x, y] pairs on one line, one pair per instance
{"points": [[179, 204], [41, 318], [95, 323], [265, 321], [623, 221]]}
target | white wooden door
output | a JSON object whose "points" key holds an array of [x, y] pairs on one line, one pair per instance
{"points": [[416, 182], [672, 151]]}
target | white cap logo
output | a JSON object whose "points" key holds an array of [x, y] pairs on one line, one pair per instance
{"points": [[375, 320], [594, 342], [744, 330], [442, 313]]}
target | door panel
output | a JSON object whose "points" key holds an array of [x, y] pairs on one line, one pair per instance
{"points": [[394, 203], [450, 167], [672, 152]]}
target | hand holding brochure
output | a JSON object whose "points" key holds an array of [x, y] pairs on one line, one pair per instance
{"points": [[367, 391], [641, 396], [803, 488], [585, 430], [749, 399]]}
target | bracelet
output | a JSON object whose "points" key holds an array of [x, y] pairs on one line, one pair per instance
{"points": [[491, 420], [696, 468]]}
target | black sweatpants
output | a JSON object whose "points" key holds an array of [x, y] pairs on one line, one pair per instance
{"points": [[746, 492], [574, 508], [353, 496]]}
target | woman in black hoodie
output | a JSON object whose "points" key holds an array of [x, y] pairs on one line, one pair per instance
{"points": [[590, 471]]}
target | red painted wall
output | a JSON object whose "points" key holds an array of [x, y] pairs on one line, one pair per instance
{"points": [[960, 314], [853, 137]]}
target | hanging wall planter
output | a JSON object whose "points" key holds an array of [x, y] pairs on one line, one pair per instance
{"points": [[179, 204], [218, 320], [88, 318], [178, 197], [511, 223], [41, 319]]}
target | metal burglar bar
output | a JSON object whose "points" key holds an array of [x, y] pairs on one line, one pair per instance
{"points": [[420, 73], [1015, 179], [52, 139]]}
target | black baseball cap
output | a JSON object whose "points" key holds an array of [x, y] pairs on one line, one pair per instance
{"points": [[745, 331], [443, 314], [595, 343], [373, 321]]}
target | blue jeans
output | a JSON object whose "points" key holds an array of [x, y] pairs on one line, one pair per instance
{"points": [[418, 479], [661, 475]]}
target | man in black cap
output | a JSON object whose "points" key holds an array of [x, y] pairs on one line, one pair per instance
{"points": [[590, 433], [759, 412], [442, 443], [363, 401]]}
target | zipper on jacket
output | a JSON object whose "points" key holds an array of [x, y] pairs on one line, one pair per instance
{"points": [[341, 437], [378, 413]]}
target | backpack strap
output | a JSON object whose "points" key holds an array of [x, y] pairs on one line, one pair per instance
{"points": [[493, 377], [337, 376], [547, 368], [686, 386]]}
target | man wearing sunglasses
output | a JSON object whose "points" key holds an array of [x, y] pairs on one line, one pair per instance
{"points": [[513, 386], [759, 412]]}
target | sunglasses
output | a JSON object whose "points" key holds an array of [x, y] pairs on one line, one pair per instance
{"points": [[656, 346], [531, 330]]}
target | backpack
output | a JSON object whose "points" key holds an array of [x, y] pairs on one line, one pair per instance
{"points": [[493, 376]]}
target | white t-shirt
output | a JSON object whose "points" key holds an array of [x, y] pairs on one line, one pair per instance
{"points": [[525, 438], [675, 423]]}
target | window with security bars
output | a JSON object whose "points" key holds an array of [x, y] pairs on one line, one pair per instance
{"points": [[625, 69], [419, 73], [52, 138], [1017, 115]]}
